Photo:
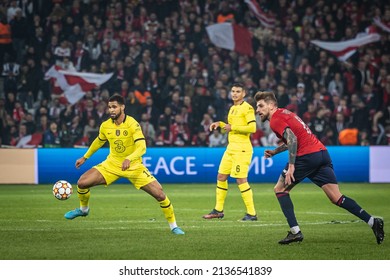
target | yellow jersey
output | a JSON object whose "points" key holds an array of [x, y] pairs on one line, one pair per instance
{"points": [[122, 139], [243, 122]]}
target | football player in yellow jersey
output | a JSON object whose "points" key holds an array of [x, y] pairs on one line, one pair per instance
{"points": [[127, 145], [238, 155]]}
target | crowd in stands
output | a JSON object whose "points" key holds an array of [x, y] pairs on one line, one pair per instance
{"points": [[176, 82]]}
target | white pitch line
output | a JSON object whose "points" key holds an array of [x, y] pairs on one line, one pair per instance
{"points": [[151, 219], [221, 224], [273, 212]]}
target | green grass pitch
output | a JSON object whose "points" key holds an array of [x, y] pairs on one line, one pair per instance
{"points": [[128, 224]]}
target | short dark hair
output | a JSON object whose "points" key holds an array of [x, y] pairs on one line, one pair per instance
{"points": [[118, 98], [237, 84], [267, 96]]}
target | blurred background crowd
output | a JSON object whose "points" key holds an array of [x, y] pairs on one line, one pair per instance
{"points": [[176, 82]]}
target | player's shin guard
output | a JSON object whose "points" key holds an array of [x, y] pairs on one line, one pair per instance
{"points": [[167, 209], [220, 195], [351, 206], [247, 197], [287, 208], [83, 195]]}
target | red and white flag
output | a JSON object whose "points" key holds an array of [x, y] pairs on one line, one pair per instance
{"points": [[75, 84], [231, 36], [345, 49], [265, 19], [378, 22]]}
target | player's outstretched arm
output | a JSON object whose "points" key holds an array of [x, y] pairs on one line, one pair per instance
{"points": [[96, 145]]}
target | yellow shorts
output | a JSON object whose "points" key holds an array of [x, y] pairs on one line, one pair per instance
{"points": [[137, 174], [235, 164]]}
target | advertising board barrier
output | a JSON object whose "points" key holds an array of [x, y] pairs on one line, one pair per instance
{"points": [[198, 165]]}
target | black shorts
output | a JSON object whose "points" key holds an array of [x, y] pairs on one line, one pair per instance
{"points": [[317, 167]]}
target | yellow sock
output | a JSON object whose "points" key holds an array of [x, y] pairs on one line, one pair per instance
{"points": [[83, 195], [221, 193], [167, 209], [247, 196]]}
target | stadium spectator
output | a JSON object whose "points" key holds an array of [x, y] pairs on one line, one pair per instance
{"points": [[75, 129], [90, 130], [302, 98], [175, 103], [282, 95], [336, 86], [55, 109], [180, 132], [51, 137], [148, 129], [17, 139], [200, 139], [29, 123], [6, 46], [101, 112], [152, 111], [18, 112], [217, 139], [153, 43], [204, 125], [164, 135], [132, 106], [19, 26]]}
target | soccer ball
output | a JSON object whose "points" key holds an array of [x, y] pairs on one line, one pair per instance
{"points": [[62, 190]]}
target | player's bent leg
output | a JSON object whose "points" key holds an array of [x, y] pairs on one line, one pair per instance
{"points": [[334, 194], [332, 191], [89, 179], [283, 196], [154, 189], [336, 197]]}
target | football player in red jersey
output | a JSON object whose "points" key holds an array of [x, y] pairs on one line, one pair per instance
{"points": [[308, 158]]}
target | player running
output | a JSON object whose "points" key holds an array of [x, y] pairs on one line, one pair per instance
{"points": [[308, 158], [127, 145], [238, 155]]}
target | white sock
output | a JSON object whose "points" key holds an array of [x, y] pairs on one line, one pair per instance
{"points": [[172, 225], [295, 229], [371, 221], [84, 208]]}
